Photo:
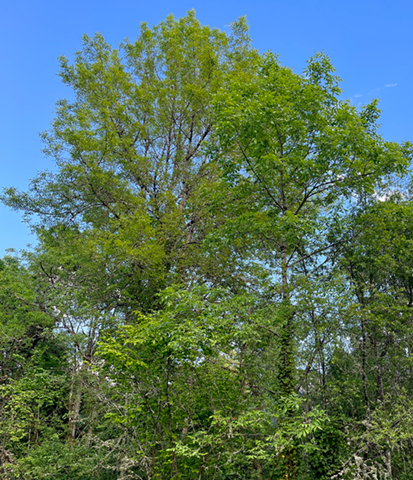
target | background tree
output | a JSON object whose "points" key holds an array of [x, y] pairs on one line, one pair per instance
{"points": [[33, 379]]}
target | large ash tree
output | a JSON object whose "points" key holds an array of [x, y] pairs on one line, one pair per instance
{"points": [[131, 180], [125, 211]]}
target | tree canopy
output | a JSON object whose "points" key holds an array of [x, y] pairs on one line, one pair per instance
{"points": [[223, 282]]}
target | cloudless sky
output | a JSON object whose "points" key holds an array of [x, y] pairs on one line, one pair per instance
{"points": [[369, 43]]}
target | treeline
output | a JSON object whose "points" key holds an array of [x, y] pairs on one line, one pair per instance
{"points": [[223, 282]]}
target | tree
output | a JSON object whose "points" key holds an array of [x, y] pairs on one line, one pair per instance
{"points": [[124, 214], [378, 264], [293, 157], [185, 378], [32, 377], [131, 173]]}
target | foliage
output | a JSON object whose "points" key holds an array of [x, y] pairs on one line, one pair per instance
{"points": [[222, 287]]}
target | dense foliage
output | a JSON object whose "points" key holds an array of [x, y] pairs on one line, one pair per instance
{"points": [[223, 282]]}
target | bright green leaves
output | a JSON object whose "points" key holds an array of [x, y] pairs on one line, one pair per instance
{"points": [[131, 170], [189, 372], [295, 141], [192, 327]]}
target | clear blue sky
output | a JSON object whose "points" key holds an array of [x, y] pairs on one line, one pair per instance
{"points": [[369, 42]]}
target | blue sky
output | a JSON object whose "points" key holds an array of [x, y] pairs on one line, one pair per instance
{"points": [[369, 43]]}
